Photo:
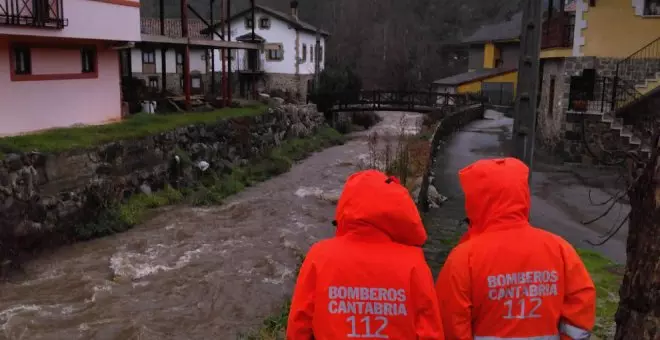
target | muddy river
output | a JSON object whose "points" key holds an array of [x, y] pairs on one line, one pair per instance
{"points": [[189, 273]]}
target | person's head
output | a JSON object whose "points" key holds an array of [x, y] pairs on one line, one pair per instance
{"points": [[496, 193], [373, 202]]}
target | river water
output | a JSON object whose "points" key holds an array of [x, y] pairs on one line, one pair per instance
{"points": [[189, 273]]}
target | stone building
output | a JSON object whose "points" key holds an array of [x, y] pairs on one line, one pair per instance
{"points": [[599, 58]]}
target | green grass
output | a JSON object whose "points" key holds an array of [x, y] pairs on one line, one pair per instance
{"points": [[212, 189], [607, 278], [137, 126]]}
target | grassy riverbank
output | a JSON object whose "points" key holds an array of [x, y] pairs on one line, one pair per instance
{"points": [[212, 189], [606, 275], [139, 125]]}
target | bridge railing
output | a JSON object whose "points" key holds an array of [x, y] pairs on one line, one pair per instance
{"points": [[401, 99]]}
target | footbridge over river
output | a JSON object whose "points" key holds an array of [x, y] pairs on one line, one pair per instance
{"points": [[396, 101]]}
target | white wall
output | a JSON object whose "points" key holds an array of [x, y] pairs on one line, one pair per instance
{"points": [[279, 32], [310, 40], [196, 61]]}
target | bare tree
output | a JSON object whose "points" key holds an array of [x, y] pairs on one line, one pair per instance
{"points": [[638, 316]]}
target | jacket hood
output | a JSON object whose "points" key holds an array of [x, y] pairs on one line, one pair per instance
{"points": [[372, 204], [496, 194]]}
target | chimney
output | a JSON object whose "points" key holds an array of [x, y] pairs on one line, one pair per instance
{"points": [[294, 9]]}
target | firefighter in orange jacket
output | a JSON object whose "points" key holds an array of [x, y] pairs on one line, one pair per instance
{"points": [[371, 280], [507, 279]]}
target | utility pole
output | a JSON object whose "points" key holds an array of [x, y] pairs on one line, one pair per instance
{"points": [[317, 63], [524, 123]]}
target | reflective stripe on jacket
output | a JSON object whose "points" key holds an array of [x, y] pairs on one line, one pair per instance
{"points": [[507, 279], [371, 280]]}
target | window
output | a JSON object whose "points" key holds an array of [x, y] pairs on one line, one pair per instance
{"points": [[321, 54], [652, 7], [275, 54], [88, 59], [179, 62], [153, 82], [264, 23], [148, 57], [304, 53], [22, 60], [311, 53], [148, 61], [249, 23]]}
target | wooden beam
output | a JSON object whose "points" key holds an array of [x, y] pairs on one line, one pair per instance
{"points": [[196, 42], [225, 44]]}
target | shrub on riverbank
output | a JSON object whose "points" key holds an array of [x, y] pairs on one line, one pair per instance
{"points": [[403, 155], [212, 188]]}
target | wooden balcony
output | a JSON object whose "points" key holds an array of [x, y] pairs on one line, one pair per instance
{"points": [[33, 13], [558, 32]]}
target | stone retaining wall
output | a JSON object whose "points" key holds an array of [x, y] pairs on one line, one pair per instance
{"points": [[49, 194], [447, 126]]}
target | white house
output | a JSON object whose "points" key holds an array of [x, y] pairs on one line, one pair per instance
{"points": [[146, 58], [287, 59]]}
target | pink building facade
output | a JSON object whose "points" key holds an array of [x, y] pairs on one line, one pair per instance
{"points": [[59, 62]]}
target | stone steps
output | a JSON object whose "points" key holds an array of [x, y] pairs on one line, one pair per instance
{"points": [[626, 131]]}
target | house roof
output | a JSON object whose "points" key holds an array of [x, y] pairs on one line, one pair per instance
{"points": [[503, 31], [287, 17], [248, 37], [151, 26], [467, 77]]}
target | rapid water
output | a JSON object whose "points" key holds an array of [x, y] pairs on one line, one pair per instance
{"points": [[189, 273]]}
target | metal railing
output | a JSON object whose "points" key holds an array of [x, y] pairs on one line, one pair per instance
{"points": [[386, 100], [643, 64], [557, 32], [609, 94], [33, 13]]}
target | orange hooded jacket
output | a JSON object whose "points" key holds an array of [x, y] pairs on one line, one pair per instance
{"points": [[371, 280], [507, 279]]}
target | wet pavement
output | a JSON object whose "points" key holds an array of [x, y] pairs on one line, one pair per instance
{"points": [[189, 273], [560, 202]]}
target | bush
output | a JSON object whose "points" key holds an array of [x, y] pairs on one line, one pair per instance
{"points": [[333, 83], [212, 188]]}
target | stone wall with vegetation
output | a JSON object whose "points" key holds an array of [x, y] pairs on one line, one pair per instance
{"points": [[44, 197]]}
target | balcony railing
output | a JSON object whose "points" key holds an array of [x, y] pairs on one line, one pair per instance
{"points": [[251, 65], [558, 32], [33, 13]]}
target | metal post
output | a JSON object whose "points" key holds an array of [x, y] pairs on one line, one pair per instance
{"points": [[524, 125], [163, 64], [223, 18], [229, 61], [212, 28], [253, 19], [317, 63], [186, 53]]}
